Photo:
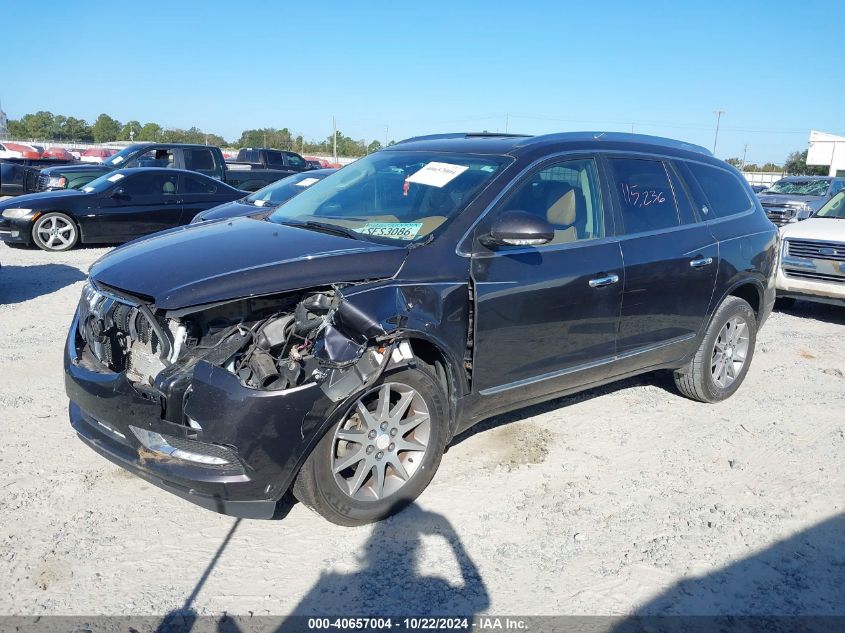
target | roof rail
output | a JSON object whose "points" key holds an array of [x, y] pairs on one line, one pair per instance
{"points": [[646, 139], [438, 137]]}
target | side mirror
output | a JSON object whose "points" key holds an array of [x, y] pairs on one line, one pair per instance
{"points": [[519, 228], [118, 193]]}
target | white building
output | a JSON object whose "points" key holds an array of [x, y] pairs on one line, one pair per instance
{"points": [[829, 150]]}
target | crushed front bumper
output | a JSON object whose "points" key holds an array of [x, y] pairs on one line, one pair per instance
{"points": [[268, 434]]}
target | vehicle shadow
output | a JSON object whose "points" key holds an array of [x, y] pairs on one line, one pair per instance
{"points": [[22, 283], [802, 576], [389, 582], [817, 311], [660, 379]]}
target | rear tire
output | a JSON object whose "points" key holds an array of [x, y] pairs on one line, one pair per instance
{"points": [[371, 464], [722, 360], [55, 232]]}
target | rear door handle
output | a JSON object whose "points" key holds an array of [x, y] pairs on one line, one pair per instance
{"points": [[600, 282], [701, 262]]}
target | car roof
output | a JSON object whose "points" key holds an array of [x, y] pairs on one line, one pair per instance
{"points": [[514, 144]]}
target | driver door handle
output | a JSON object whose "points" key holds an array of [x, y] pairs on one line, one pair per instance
{"points": [[606, 280], [701, 262]]}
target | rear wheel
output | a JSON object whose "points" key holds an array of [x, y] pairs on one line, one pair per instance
{"points": [[381, 454], [55, 232], [722, 360]]}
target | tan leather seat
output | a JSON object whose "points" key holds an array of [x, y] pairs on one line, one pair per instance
{"points": [[563, 213]]}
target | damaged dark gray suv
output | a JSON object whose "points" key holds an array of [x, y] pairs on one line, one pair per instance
{"points": [[336, 347]]}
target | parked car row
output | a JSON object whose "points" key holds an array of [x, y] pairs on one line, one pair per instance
{"points": [[255, 168], [812, 260], [35, 152], [796, 198], [125, 204]]}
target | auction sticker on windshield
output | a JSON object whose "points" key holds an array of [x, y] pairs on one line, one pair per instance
{"points": [[115, 177], [306, 182], [395, 230], [437, 174]]}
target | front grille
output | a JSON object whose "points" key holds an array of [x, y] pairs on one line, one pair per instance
{"points": [[816, 249], [32, 180], [119, 334], [779, 215], [810, 274]]}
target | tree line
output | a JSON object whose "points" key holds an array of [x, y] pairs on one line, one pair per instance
{"points": [[46, 126], [795, 165]]}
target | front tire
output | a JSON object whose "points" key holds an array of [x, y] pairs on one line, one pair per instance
{"points": [[381, 454], [55, 232], [722, 360]]}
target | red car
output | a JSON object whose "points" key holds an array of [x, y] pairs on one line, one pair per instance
{"points": [[18, 150], [57, 152], [324, 164], [96, 154]]}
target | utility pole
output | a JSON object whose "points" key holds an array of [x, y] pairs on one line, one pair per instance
{"points": [[718, 114], [265, 139], [507, 117], [632, 128], [386, 128], [744, 153], [334, 139]]}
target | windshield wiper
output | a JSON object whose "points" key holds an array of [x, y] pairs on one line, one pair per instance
{"points": [[324, 227]]}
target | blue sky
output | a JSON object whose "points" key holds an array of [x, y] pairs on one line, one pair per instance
{"points": [[428, 66]]}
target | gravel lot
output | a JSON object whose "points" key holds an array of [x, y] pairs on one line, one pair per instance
{"points": [[624, 499]]}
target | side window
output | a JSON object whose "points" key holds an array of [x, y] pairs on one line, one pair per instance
{"points": [[153, 158], [645, 195], [149, 185], [724, 191], [294, 160], [199, 159], [199, 185], [275, 159], [567, 195], [836, 187]]}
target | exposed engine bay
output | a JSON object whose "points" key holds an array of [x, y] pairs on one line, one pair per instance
{"points": [[270, 343]]}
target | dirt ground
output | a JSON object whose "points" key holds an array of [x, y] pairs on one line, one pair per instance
{"points": [[624, 499]]}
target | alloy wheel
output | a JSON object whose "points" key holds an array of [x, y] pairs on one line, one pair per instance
{"points": [[730, 351], [382, 442], [56, 233]]}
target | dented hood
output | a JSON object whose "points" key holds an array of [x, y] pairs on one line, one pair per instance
{"points": [[223, 260]]}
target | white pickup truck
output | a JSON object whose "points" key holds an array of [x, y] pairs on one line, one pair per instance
{"points": [[812, 261]]}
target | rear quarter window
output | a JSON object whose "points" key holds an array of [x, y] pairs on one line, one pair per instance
{"points": [[725, 193], [645, 195]]}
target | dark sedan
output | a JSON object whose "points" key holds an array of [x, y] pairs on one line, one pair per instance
{"points": [[117, 207], [266, 199]]}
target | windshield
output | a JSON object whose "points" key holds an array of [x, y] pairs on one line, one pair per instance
{"points": [[800, 187], [834, 208], [103, 182], [121, 156], [394, 195], [282, 190]]}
